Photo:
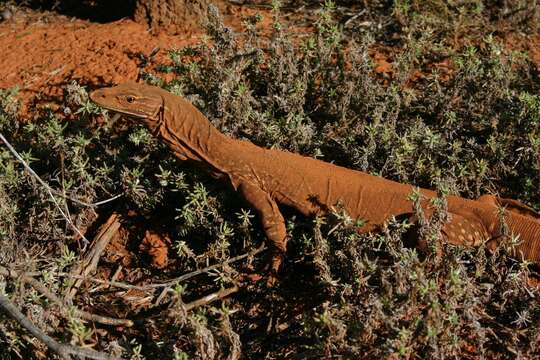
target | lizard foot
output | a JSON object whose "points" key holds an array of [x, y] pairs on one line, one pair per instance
{"points": [[273, 267], [269, 271]]}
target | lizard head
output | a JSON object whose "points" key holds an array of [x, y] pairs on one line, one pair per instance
{"points": [[136, 100]]}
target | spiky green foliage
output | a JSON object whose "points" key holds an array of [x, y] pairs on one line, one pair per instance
{"points": [[457, 111]]}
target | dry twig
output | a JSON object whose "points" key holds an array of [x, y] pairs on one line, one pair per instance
{"points": [[169, 283], [205, 300], [218, 295], [64, 351], [90, 261], [43, 290], [207, 269]]}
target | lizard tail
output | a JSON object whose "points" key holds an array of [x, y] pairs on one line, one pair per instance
{"points": [[528, 229], [460, 230], [466, 229]]}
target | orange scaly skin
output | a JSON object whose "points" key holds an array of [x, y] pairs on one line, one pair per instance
{"points": [[266, 177]]}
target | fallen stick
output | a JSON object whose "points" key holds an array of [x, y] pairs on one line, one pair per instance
{"points": [[43, 290], [168, 283], [205, 300], [91, 259], [64, 351], [205, 270], [211, 298]]}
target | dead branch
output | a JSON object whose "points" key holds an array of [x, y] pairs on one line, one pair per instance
{"points": [[64, 351], [89, 264], [211, 298], [207, 269], [117, 284], [43, 290], [168, 283], [205, 300]]}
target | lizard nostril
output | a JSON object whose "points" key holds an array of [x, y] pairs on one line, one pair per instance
{"points": [[97, 95]]}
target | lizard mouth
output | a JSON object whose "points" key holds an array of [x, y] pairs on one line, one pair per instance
{"points": [[118, 114], [134, 115]]}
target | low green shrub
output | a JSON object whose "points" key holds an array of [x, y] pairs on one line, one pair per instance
{"points": [[457, 111]]}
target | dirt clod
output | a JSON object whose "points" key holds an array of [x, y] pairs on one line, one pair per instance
{"points": [[155, 245]]}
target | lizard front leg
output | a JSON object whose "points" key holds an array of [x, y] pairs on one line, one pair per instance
{"points": [[271, 219]]}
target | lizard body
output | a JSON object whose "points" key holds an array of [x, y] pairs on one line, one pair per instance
{"points": [[266, 177]]}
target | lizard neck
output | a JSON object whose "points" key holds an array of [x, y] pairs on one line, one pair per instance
{"points": [[192, 136]]}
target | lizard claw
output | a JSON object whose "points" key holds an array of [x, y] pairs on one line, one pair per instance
{"points": [[269, 271], [276, 261]]}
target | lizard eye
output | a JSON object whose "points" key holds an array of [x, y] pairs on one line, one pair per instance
{"points": [[130, 99]]}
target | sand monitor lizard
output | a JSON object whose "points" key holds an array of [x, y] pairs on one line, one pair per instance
{"points": [[267, 177]]}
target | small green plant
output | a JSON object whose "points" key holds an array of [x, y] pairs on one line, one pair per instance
{"points": [[455, 110]]}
